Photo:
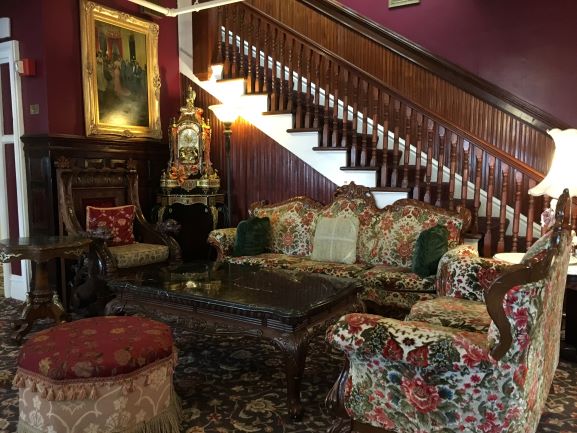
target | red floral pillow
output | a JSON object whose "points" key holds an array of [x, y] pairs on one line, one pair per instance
{"points": [[119, 220]]}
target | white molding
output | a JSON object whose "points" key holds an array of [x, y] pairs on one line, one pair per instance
{"points": [[14, 285]]}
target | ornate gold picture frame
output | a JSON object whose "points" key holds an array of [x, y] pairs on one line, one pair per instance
{"points": [[119, 73], [397, 3]]}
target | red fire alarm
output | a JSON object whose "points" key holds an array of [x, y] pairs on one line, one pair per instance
{"points": [[26, 67]]}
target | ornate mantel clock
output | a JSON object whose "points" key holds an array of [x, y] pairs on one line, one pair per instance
{"points": [[189, 185], [189, 167]]}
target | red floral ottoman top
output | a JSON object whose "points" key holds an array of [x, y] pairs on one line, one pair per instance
{"points": [[96, 350]]}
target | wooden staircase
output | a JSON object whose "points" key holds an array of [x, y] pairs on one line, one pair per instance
{"points": [[406, 147]]}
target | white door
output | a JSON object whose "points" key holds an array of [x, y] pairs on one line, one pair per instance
{"points": [[12, 166]]}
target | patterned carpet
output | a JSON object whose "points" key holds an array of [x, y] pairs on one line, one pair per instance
{"points": [[237, 385]]}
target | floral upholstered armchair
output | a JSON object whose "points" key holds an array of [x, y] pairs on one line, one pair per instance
{"points": [[419, 376]]}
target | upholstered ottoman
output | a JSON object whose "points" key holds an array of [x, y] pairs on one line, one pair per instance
{"points": [[103, 374]]}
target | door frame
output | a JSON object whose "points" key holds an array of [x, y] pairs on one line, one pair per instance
{"points": [[15, 286]]}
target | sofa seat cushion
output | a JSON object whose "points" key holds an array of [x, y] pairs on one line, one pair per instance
{"points": [[266, 260], [333, 269], [395, 286], [139, 254], [452, 312]]}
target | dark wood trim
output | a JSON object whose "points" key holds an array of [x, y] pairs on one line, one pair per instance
{"points": [[476, 86]]}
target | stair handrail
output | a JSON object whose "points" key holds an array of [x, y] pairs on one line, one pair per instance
{"points": [[473, 84], [487, 147]]}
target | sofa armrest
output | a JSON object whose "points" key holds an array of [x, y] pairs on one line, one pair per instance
{"points": [[461, 273], [368, 336], [223, 241]]}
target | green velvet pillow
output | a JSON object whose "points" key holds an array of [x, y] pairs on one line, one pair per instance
{"points": [[252, 237], [429, 248]]}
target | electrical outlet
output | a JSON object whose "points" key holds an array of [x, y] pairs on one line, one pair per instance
{"points": [[34, 108]]}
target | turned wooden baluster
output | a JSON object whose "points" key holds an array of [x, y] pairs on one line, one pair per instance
{"points": [[257, 68], [517, 214], [407, 151], [298, 117], [354, 137], [396, 121], [227, 66], [440, 165], [487, 241], [326, 118], [282, 89], [335, 116], [530, 216], [219, 38], [465, 174], [503, 208], [375, 131], [242, 40], [429, 169], [418, 152], [275, 82], [365, 123], [250, 60], [290, 81], [233, 49], [345, 128], [477, 194], [266, 84], [452, 170], [384, 105], [308, 94], [317, 100]]}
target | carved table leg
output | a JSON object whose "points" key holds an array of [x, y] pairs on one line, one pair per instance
{"points": [[41, 303], [295, 348]]}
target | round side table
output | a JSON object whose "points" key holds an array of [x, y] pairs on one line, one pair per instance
{"points": [[41, 300]]}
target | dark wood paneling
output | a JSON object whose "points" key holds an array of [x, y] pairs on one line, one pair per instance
{"points": [[261, 169], [43, 150], [482, 111]]}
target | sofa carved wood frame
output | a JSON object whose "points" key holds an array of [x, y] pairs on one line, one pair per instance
{"points": [[80, 186], [532, 271]]}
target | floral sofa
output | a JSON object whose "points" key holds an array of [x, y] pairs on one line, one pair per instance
{"points": [[463, 362], [384, 247]]}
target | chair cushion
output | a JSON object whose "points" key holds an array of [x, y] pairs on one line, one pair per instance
{"points": [[252, 237], [138, 254], [452, 312], [98, 347], [119, 220], [429, 248], [335, 240]]}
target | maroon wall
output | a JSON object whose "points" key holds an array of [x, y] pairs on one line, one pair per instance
{"points": [[524, 46], [49, 33]]}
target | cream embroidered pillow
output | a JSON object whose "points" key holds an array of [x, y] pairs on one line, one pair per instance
{"points": [[336, 240]]}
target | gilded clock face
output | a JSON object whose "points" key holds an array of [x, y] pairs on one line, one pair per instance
{"points": [[188, 145]]}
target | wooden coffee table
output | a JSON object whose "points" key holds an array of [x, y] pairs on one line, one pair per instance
{"points": [[287, 307]]}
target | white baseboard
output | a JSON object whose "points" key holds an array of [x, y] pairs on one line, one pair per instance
{"points": [[15, 286]]}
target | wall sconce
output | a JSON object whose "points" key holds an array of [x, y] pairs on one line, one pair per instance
{"points": [[227, 114]]}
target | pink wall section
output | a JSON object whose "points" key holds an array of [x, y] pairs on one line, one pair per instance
{"points": [[526, 47], [49, 32]]}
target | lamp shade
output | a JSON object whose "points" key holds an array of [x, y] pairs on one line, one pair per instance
{"points": [[563, 171], [226, 113]]}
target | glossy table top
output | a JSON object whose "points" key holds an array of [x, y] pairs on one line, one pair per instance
{"points": [[280, 292]]}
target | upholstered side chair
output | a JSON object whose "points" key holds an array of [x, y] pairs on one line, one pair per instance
{"points": [[444, 373]]}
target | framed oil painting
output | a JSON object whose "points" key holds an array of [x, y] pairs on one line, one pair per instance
{"points": [[119, 73]]}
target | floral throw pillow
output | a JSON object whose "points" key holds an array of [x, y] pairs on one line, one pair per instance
{"points": [[119, 220]]}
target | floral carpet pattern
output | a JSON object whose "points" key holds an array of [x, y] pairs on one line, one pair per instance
{"points": [[237, 384]]}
